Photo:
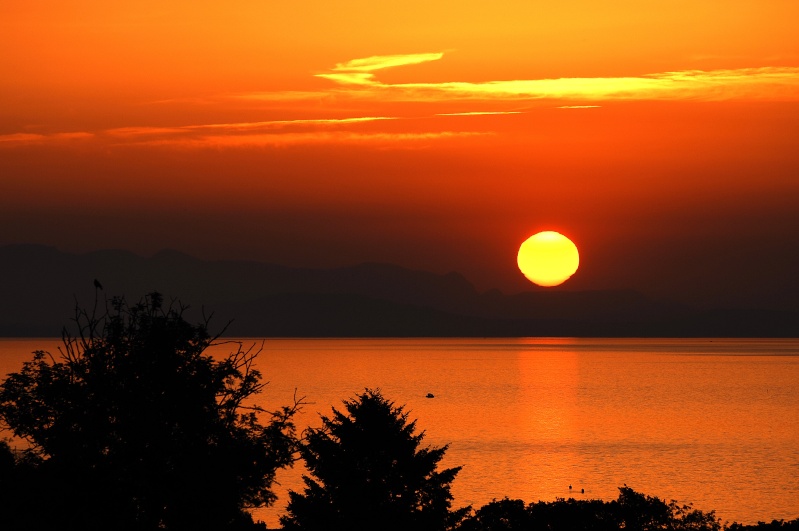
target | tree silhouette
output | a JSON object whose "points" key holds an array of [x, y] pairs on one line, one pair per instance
{"points": [[370, 473], [632, 511], [774, 525], [499, 515], [650, 513], [136, 427]]}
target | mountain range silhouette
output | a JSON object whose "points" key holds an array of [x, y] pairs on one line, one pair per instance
{"points": [[40, 285]]}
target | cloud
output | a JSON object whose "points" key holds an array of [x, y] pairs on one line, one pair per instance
{"points": [[351, 78], [280, 96], [133, 132], [22, 139], [752, 83], [359, 71], [379, 139], [357, 91], [240, 127], [313, 131], [358, 80], [745, 83], [379, 62], [274, 133], [477, 113]]}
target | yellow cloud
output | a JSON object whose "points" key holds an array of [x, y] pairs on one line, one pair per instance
{"points": [[356, 81], [753, 83], [477, 113], [378, 62], [351, 78], [359, 71], [745, 83]]}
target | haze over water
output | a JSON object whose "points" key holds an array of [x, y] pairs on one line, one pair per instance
{"points": [[713, 422]]}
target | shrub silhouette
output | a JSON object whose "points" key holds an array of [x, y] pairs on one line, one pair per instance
{"points": [[774, 525], [499, 515], [632, 511], [135, 427], [370, 473]]}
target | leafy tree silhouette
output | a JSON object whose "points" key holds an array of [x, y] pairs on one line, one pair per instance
{"points": [[135, 427], [649, 513], [370, 473], [774, 525], [632, 511], [499, 515]]}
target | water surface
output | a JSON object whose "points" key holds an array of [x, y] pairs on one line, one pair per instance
{"points": [[712, 422]]}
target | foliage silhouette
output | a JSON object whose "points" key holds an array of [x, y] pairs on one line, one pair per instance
{"points": [[631, 511], [774, 525], [370, 473], [499, 515], [136, 427]]}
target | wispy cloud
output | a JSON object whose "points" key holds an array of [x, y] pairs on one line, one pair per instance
{"points": [[352, 78], [745, 83], [241, 127], [355, 87], [22, 139], [751, 83], [358, 80], [274, 133], [379, 62], [359, 71], [133, 132], [314, 131], [477, 113], [378, 139]]}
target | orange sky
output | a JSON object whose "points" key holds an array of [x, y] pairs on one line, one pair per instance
{"points": [[661, 137]]}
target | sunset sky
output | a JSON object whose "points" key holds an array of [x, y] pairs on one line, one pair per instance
{"points": [[661, 137]]}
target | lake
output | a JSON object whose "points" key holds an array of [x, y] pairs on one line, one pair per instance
{"points": [[712, 422]]}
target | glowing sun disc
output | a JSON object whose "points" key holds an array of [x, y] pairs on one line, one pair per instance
{"points": [[548, 258]]}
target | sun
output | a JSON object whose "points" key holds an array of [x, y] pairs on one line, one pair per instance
{"points": [[548, 258]]}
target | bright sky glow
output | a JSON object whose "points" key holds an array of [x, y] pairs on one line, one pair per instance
{"points": [[660, 135]]}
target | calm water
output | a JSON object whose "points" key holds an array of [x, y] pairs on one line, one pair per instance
{"points": [[714, 423]]}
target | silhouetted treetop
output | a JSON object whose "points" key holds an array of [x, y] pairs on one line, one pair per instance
{"points": [[369, 472]]}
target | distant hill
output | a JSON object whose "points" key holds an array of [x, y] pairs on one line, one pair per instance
{"points": [[39, 287]]}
